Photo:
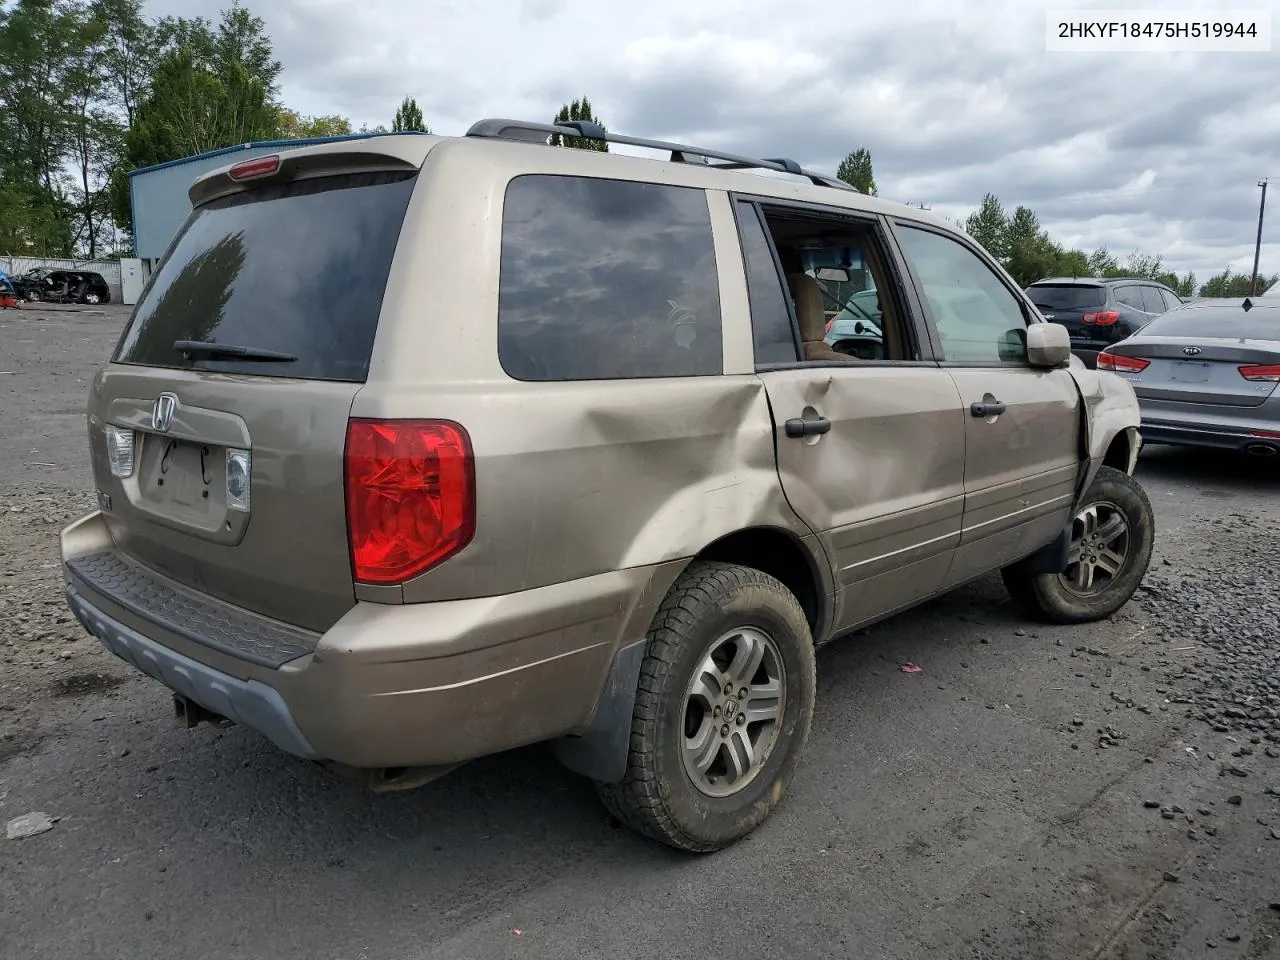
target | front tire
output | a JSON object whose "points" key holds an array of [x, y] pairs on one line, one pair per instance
{"points": [[1112, 536], [723, 709]]}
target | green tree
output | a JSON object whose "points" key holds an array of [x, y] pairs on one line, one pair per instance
{"points": [[578, 110], [1073, 263], [30, 225], [1139, 265], [1101, 262], [295, 126], [987, 225], [1229, 284], [1032, 258], [409, 118], [855, 170], [1023, 226], [39, 41], [130, 46], [242, 49], [94, 133], [211, 88]]}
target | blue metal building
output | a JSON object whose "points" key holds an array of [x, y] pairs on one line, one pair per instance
{"points": [[158, 194]]}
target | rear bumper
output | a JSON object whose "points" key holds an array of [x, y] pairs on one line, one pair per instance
{"points": [[247, 702], [1223, 437], [388, 685]]}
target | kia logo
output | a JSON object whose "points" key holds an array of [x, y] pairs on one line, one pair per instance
{"points": [[1191, 351]]}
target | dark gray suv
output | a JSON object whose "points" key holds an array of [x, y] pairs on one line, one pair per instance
{"points": [[1100, 312]]}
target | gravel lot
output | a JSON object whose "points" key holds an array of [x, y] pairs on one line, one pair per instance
{"points": [[1104, 791]]}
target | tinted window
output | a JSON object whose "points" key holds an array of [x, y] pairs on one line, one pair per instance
{"points": [[977, 317], [1130, 296], [770, 321], [1170, 299], [296, 268], [1066, 296], [1152, 301], [1229, 322], [606, 280]]}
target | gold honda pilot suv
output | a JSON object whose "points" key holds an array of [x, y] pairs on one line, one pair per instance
{"points": [[418, 449]]}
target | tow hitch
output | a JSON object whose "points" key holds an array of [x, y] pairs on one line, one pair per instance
{"points": [[190, 714]]}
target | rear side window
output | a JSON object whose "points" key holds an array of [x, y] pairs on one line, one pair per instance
{"points": [[607, 280], [1151, 300], [1228, 322], [1066, 296], [295, 269], [1130, 296]]}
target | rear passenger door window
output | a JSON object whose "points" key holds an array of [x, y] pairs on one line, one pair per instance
{"points": [[606, 280], [1151, 300], [1130, 296], [771, 329]]}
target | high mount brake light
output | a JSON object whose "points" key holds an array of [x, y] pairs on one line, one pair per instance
{"points": [[257, 167]]}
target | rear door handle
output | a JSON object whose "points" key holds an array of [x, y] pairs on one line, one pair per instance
{"points": [[992, 408], [800, 427]]}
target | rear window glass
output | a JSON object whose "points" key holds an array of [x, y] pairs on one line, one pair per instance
{"points": [[1066, 296], [1232, 323], [297, 269], [606, 280]]}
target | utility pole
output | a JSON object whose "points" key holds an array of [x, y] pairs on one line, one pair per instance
{"points": [[1257, 245]]}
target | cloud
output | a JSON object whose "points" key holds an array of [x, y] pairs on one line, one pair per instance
{"points": [[1156, 151]]}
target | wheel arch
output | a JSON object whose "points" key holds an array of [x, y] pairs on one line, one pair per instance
{"points": [[600, 750], [783, 556]]}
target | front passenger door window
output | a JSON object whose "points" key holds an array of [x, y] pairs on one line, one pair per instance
{"points": [[976, 317]]}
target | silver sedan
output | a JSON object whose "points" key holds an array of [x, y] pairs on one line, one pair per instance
{"points": [[1206, 374]]}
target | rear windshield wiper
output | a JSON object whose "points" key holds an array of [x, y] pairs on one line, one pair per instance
{"points": [[205, 350]]}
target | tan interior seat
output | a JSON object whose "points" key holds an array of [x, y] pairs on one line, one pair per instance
{"points": [[813, 319]]}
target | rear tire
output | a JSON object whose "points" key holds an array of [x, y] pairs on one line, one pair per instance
{"points": [[33, 296], [1112, 536], [722, 629]]}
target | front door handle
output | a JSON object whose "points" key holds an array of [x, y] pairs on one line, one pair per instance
{"points": [[799, 427], [990, 408]]}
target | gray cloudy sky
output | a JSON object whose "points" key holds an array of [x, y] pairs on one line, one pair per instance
{"points": [[1155, 151]]}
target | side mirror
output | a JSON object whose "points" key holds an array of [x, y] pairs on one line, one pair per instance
{"points": [[1048, 345]]}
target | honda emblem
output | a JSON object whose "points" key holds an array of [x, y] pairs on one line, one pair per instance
{"points": [[162, 412]]}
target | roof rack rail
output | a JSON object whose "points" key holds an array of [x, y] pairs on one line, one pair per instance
{"points": [[531, 132]]}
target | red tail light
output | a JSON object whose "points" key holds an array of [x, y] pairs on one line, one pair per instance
{"points": [[1265, 371], [1118, 364], [411, 496], [1102, 318], [257, 167]]}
